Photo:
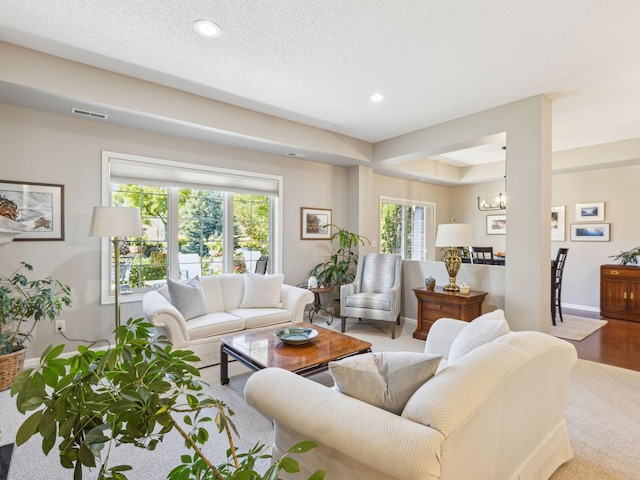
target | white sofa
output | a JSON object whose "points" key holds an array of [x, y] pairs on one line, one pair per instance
{"points": [[223, 296], [494, 413]]}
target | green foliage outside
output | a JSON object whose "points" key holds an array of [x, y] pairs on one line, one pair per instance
{"points": [[135, 393], [391, 224], [201, 224]]}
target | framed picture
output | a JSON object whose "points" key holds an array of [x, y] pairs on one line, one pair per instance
{"points": [[557, 224], [590, 212], [496, 224], [41, 207], [315, 223], [590, 232]]}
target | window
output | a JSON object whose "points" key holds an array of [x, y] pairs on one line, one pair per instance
{"points": [[407, 228], [196, 220]]}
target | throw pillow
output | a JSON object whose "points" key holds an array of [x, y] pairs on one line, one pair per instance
{"points": [[187, 297], [386, 380], [482, 330], [262, 291]]}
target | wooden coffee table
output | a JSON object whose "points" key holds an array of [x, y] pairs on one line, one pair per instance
{"points": [[260, 349]]}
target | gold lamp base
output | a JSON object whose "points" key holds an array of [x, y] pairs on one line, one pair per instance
{"points": [[452, 262]]}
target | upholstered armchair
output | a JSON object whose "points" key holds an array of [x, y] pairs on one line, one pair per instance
{"points": [[375, 291]]}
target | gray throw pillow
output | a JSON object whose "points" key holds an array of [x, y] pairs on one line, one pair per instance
{"points": [[386, 380], [187, 297]]}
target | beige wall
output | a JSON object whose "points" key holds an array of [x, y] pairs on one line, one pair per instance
{"points": [[50, 148]]}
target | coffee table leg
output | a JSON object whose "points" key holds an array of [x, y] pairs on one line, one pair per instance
{"points": [[224, 366]]}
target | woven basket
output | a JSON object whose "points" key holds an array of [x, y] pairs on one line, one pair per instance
{"points": [[11, 365]]}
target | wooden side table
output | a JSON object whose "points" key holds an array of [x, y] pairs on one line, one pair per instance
{"points": [[317, 306], [438, 303]]}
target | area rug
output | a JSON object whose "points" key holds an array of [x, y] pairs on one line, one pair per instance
{"points": [[576, 328]]}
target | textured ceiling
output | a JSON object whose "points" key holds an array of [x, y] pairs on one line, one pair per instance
{"points": [[317, 62]]}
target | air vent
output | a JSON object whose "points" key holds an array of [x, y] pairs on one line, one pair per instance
{"points": [[87, 113], [296, 155]]}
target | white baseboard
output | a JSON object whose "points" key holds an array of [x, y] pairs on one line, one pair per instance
{"points": [[586, 308]]}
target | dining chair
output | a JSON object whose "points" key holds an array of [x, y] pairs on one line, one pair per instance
{"points": [[557, 270], [261, 264], [481, 255]]}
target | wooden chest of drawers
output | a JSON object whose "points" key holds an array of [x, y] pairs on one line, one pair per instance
{"points": [[438, 303], [620, 292]]}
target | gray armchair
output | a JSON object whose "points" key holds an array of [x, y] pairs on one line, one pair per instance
{"points": [[375, 291]]}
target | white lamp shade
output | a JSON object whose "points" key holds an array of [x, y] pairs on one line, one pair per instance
{"points": [[454, 235], [115, 222]]}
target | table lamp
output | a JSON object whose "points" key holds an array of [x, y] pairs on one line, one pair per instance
{"points": [[453, 236], [116, 222]]}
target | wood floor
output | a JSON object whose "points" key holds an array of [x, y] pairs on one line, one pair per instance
{"points": [[617, 343]]}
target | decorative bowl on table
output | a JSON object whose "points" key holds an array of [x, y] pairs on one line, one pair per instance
{"points": [[296, 335]]}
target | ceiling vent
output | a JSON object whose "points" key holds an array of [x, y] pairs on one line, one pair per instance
{"points": [[87, 113]]}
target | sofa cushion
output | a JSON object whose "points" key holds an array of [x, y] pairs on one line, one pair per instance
{"points": [[187, 297], [261, 317], [212, 324], [386, 380], [482, 330], [262, 291], [212, 289], [377, 301]]}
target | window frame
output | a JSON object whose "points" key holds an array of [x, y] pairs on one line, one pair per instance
{"points": [[429, 223], [107, 296]]}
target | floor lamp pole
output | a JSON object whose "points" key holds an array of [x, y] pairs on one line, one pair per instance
{"points": [[116, 252]]}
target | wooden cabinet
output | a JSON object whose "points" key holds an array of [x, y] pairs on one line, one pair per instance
{"points": [[438, 303], [620, 292]]}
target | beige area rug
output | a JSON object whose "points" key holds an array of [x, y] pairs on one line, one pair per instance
{"points": [[575, 328], [603, 421]]}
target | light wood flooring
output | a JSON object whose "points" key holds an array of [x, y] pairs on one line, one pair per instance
{"points": [[617, 343]]}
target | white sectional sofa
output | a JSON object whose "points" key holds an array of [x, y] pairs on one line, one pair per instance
{"points": [[232, 303], [494, 413]]}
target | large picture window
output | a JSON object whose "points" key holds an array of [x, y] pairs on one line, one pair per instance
{"points": [[196, 220], [407, 228]]}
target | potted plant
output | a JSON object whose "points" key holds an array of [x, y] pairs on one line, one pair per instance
{"points": [[628, 257], [23, 303], [133, 393], [340, 269]]}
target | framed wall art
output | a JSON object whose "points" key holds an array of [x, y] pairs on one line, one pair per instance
{"points": [[41, 207], [496, 224], [590, 212], [590, 232], [315, 223], [557, 224]]}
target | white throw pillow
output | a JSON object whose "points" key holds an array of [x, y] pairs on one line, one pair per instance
{"points": [[386, 380], [187, 297], [262, 291], [481, 330]]}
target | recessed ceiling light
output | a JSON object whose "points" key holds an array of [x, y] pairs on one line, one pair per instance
{"points": [[377, 97], [207, 29]]}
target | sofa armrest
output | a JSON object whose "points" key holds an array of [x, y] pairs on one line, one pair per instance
{"points": [[360, 431], [294, 300], [442, 334], [161, 313]]}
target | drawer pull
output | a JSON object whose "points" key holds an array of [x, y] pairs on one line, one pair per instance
{"points": [[613, 272], [624, 295], [440, 306]]}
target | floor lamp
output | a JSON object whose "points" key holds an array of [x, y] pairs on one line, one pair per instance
{"points": [[116, 222], [453, 236]]}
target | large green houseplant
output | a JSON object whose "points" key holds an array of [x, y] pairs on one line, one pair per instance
{"points": [[340, 269], [23, 303], [134, 393]]}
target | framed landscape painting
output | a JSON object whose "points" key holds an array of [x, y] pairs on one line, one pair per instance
{"points": [[590, 212], [41, 208], [496, 224], [590, 232], [315, 223]]}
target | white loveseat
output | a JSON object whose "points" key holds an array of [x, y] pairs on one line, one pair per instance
{"points": [[494, 413], [226, 312]]}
